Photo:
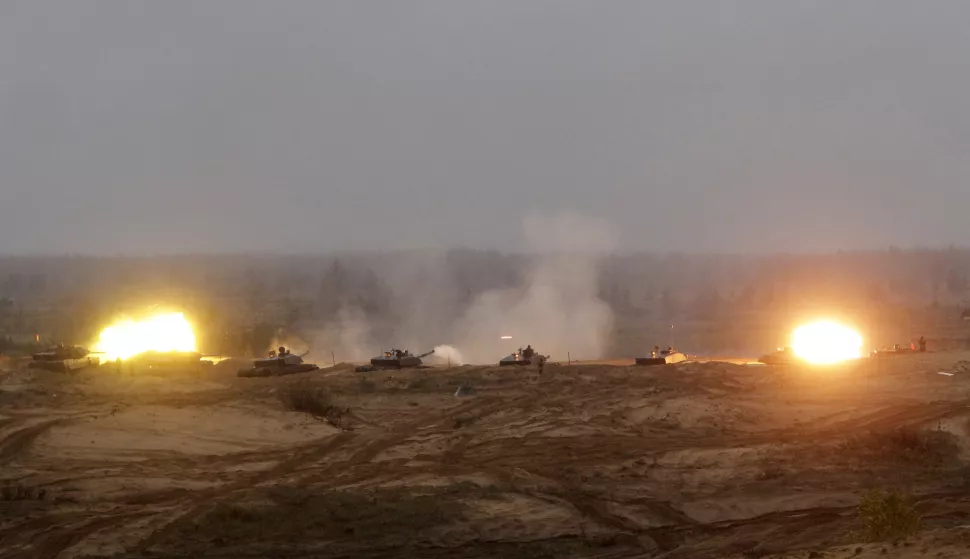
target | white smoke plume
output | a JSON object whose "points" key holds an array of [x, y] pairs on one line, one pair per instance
{"points": [[346, 337], [558, 310], [448, 354], [423, 301]]}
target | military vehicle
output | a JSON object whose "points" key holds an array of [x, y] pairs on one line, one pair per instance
{"points": [[64, 359], [659, 356], [784, 356], [522, 357], [890, 351], [398, 359], [280, 362]]}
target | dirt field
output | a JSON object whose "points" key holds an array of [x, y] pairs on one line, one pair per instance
{"points": [[699, 460]]}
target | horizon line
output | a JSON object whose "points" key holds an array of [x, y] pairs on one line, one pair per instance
{"points": [[380, 251]]}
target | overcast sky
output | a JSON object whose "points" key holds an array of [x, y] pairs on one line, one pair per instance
{"points": [[305, 126]]}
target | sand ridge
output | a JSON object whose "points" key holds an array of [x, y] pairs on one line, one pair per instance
{"points": [[589, 460]]}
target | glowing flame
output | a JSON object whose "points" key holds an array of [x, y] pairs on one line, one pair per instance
{"points": [[826, 343], [164, 332]]}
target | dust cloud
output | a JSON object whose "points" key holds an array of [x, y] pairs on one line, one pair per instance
{"points": [[554, 305], [344, 337], [558, 310], [449, 354]]}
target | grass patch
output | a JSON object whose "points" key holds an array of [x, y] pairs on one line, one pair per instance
{"points": [[303, 397], [464, 420], [419, 383], [887, 516], [557, 548], [769, 471], [231, 517], [291, 514], [10, 491], [466, 489], [366, 385], [930, 448]]}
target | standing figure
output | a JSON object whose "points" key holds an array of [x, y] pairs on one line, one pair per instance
{"points": [[922, 344]]}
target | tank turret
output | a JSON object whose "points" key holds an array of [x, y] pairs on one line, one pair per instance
{"points": [[398, 359], [659, 356], [64, 359], [522, 357], [279, 362]]}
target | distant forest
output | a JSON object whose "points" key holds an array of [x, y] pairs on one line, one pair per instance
{"points": [[704, 303]]}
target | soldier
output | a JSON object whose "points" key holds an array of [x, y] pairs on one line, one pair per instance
{"points": [[922, 344], [529, 352], [540, 363]]}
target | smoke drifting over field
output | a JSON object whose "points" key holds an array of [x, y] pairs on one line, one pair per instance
{"points": [[554, 305], [449, 354], [347, 336], [558, 309]]}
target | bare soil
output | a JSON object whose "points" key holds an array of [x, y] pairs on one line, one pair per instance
{"points": [[697, 460]]}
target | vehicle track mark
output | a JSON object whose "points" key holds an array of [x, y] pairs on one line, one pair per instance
{"points": [[14, 443], [201, 501], [50, 546]]}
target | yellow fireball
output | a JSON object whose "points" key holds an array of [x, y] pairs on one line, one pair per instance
{"points": [[826, 342], [163, 333]]}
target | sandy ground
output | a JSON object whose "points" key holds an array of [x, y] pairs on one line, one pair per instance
{"points": [[704, 460]]}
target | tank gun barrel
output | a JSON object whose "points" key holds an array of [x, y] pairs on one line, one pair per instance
{"points": [[425, 354]]}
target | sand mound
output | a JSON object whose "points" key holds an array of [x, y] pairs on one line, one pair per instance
{"points": [[700, 460], [163, 431]]}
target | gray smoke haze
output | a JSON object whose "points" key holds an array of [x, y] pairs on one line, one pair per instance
{"points": [[767, 126], [449, 355], [424, 301], [557, 310], [348, 336], [555, 306]]}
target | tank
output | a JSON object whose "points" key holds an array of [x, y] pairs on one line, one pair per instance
{"points": [[398, 359], [279, 363], [784, 356], [667, 356], [64, 359], [522, 358], [890, 351]]}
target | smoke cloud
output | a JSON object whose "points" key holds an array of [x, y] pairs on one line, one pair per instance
{"points": [[558, 310], [554, 305], [448, 354], [345, 337]]}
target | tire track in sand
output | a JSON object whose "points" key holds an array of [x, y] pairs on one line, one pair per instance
{"points": [[371, 446], [55, 538], [200, 502], [14, 443]]}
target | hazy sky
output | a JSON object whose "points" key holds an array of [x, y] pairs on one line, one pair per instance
{"points": [[211, 125]]}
